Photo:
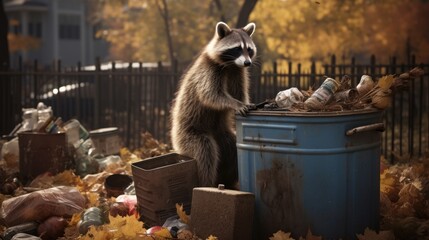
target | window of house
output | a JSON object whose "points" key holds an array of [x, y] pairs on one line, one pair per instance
{"points": [[35, 29], [16, 29], [69, 27], [14, 26]]}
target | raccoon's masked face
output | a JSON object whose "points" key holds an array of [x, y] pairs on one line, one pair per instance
{"points": [[233, 46]]}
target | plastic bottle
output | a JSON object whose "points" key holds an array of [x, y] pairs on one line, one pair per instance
{"points": [[322, 95], [75, 132], [91, 217]]}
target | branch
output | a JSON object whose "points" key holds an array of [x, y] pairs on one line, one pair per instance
{"points": [[220, 8], [245, 11], [163, 11]]}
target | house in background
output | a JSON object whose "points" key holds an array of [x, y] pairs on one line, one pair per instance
{"points": [[62, 28]]}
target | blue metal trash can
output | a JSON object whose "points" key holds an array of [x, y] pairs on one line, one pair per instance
{"points": [[317, 171]]}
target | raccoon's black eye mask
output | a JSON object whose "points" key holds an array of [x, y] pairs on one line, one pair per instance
{"points": [[250, 51], [231, 54]]}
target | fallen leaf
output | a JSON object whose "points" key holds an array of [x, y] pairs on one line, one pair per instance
{"points": [[310, 236], [182, 214], [211, 237], [96, 233], [385, 82], [280, 235], [387, 182], [67, 178], [128, 226], [75, 218], [92, 199], [372, 235]]}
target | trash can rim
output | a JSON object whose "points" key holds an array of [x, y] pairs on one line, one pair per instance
{"points": [[282, 112]]}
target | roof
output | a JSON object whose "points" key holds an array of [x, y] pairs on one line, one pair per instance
{"points": [[25, 5]]}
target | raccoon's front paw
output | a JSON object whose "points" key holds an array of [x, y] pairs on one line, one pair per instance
{"points": [[243, 110]]}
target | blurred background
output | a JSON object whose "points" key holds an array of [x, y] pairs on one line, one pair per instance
{"points": [[117, 63], [163, 30]]}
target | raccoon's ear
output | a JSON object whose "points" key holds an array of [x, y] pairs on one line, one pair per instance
{"points": [[222, 29], [250, 28]]}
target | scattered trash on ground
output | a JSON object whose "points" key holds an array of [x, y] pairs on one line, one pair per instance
{"points": [[83, 202]]}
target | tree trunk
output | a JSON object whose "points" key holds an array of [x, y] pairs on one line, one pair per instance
{"points": [[220, 8], [245, 11], [163, 10], [6, 101], [4, 45]]}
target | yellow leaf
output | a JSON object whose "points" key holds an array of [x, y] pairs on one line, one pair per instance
{"points": [[124, 227], [67, 178], [132, 228], [75, 219], [387, 182], [96, 233], [385, 82], [182, 214], [211, 237], [280, 235], [163, 234], [92, 198], [372, 235], [310, 236]]}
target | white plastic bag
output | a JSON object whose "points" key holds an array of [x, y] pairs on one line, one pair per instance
{"points": [[288, 97], [10, 153]]}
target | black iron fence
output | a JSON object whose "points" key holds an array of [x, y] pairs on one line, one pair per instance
{"points": [[137, 98]]}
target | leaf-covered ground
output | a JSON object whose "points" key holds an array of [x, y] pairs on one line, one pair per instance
{"points": [[404, 200]]}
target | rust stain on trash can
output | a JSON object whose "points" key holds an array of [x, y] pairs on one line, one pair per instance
{"points": [[280, 190]]}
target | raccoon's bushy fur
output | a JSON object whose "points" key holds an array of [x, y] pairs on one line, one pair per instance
{"points": [[214, 87]]}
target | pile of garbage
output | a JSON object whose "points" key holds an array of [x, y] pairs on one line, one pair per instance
{"points": [[101, 205], [334, 95], [91, 197], [88, 151]]}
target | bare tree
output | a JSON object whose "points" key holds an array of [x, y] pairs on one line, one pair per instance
{"points": [[4, 45], [245, 11], [163, 11], [219, 7], [6, 111]]}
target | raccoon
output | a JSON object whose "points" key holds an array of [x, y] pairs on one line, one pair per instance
{"points": [[215, 86]]}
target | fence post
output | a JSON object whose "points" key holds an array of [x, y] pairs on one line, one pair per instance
{"points": [[97, 93], [139, 103], [372, 66], [157, 102], [333, 66], [411, 98], [312, 73], [59, 109], [113, 95], [129, 102], [35, 67], [298, 79], [393, 115], [420, 105], [79, 89], [18, 101], [275, 73], [289, 74], [353, 72]]}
